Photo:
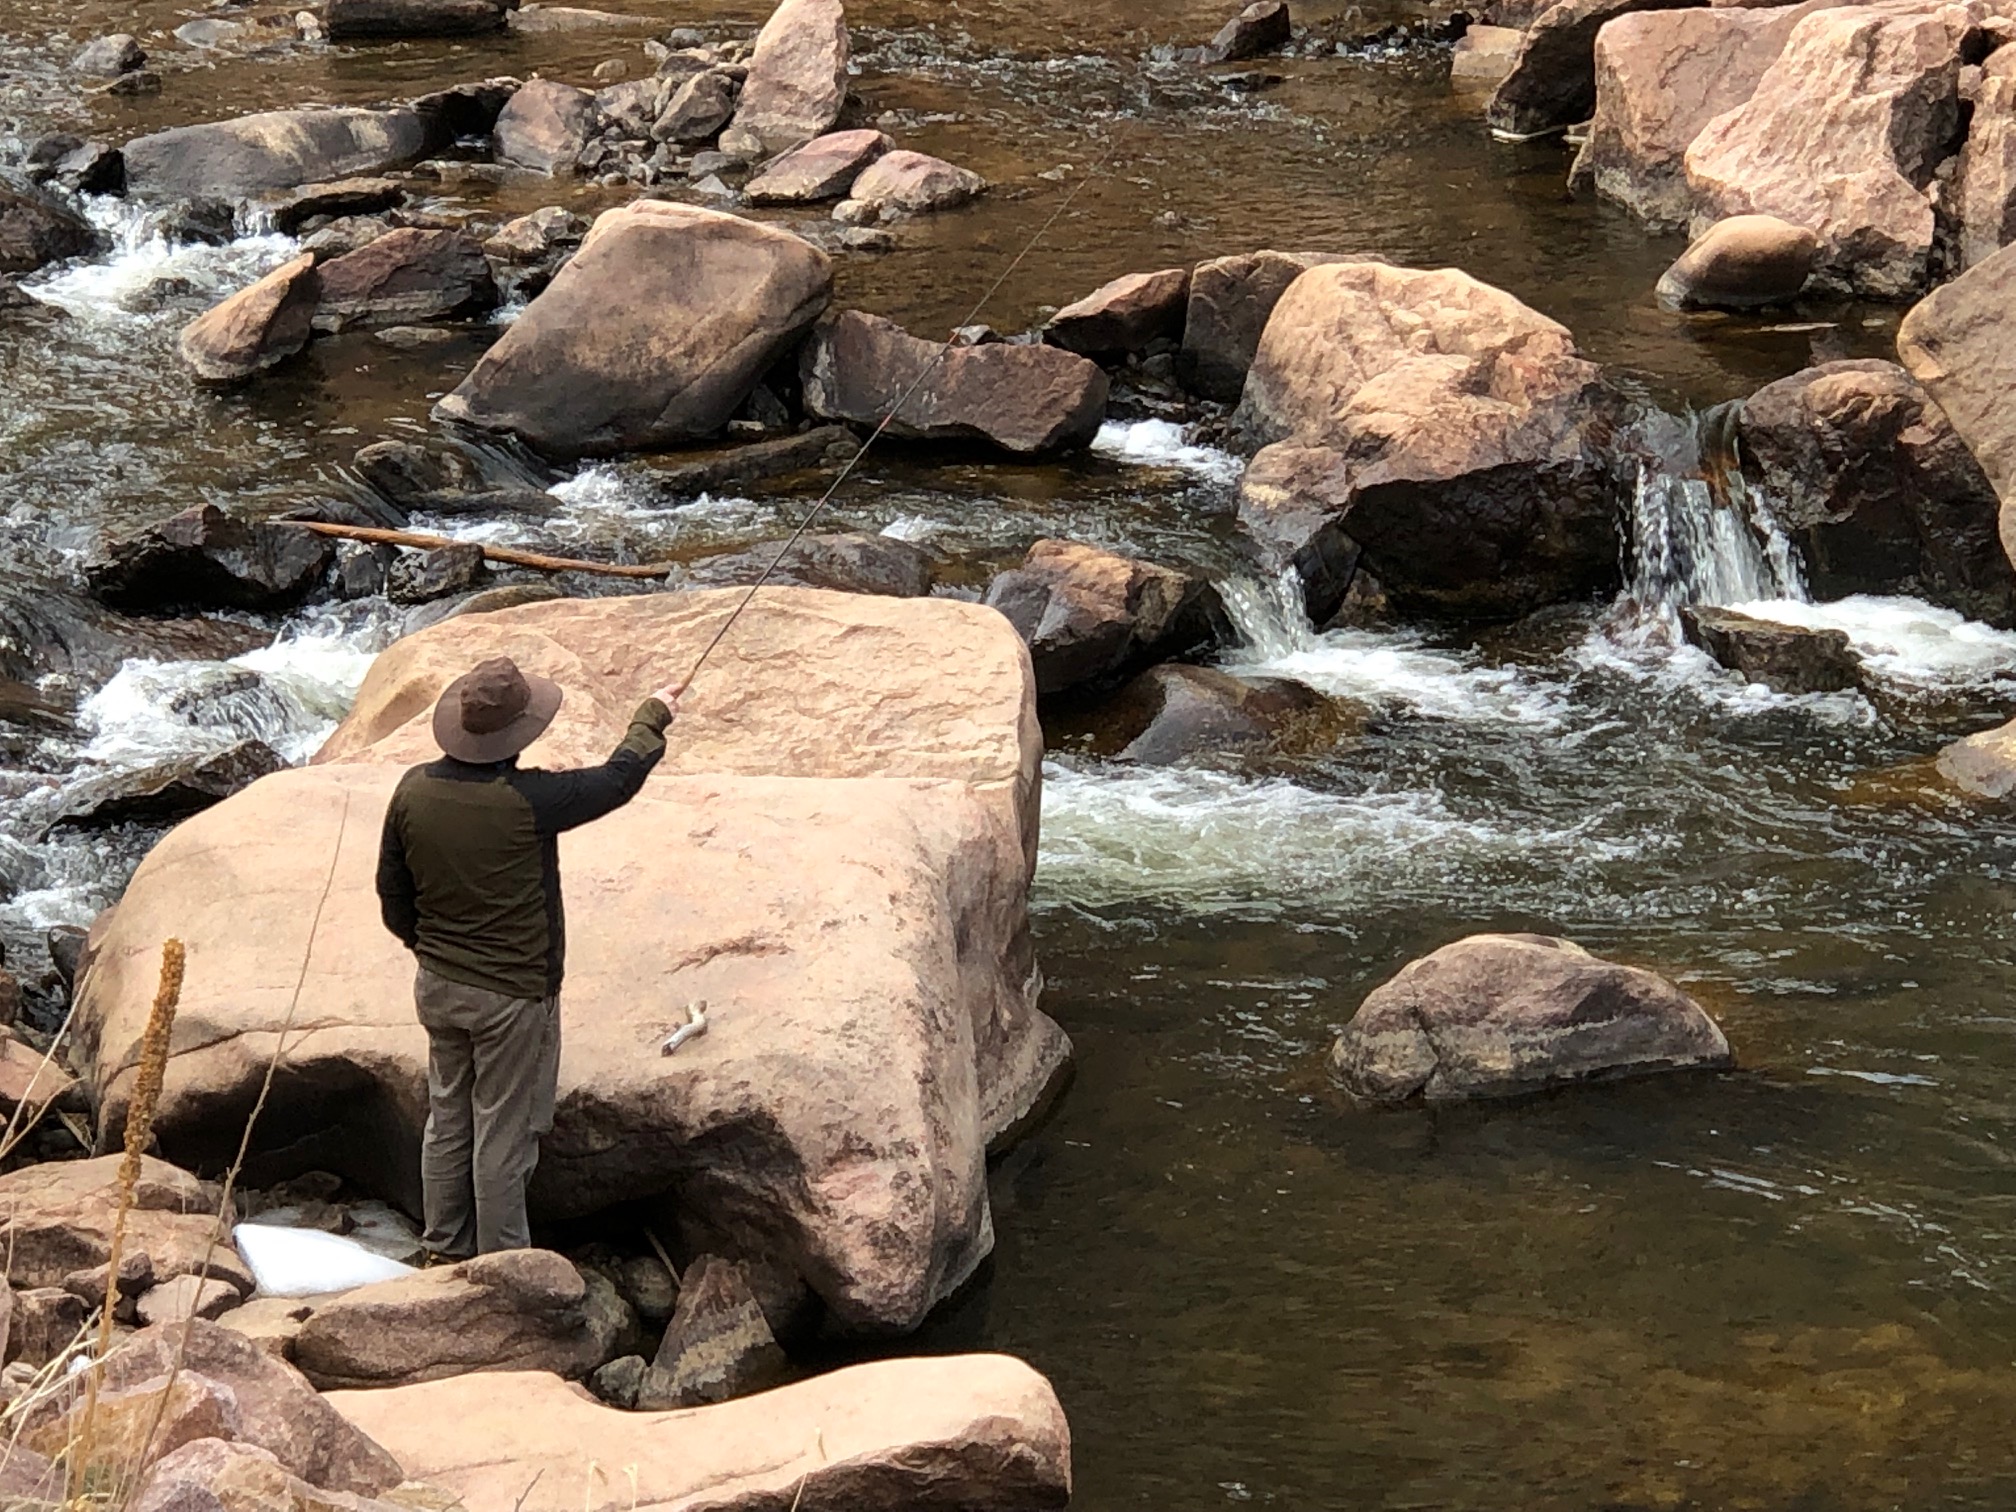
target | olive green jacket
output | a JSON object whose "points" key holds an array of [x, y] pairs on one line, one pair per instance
{"points": [[469, 864]]}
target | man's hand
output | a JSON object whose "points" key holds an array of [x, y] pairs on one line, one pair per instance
{"points": [[669, 696]]}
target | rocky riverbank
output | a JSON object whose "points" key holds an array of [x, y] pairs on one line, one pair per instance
{"points": [[1248, 566]]}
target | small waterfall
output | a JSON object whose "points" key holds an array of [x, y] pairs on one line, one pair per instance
{"points": [[1699, 535], [1269, 615]]}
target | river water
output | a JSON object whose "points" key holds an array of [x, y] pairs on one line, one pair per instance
{"points": [[1780, 1288]]}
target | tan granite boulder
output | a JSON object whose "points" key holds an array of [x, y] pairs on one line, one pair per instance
{"points": [[797, 80], [961, 1433], [58, 1218], [1984, 187], [1552, 81], [1497, 1015], [1230, 300], [1960, 342], [1741, 263], [824, 168], [835, 857], [1124, 315], [259, 327]]}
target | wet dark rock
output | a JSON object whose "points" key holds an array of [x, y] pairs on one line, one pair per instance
{"points": [[1552, 83], [1123, 316], [1229, 302], [256, 328], [169, 791], [67, 945], [1499, 1015], [797, 83], [465, 111], [345, 19], [403, 277], [275, 150], [739, 466], [47, 630], [43, 1322], [1742, 263], [1091, 616], [1263, 27], [110, 56], [653, 335], [362, 570], [847, 563], [141, 81], [409, 473], [1023, 399], [14, 297], [10, 1008], [205, 558], [1470, 448], [23, 705], [717, 1346], [824, 168], [618, 1382], [1176, 714], [36, 229], [698, 109], [358, 196], [423, 576], [204, 220], [546, 126], [488, 601], [1864, 471], [1784, 658], [77, 165]]}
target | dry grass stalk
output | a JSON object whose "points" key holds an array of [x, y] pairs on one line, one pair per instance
{"points": [[153, 1070]]}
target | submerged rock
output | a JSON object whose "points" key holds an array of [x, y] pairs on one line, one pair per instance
{"points": [[1179, 714], [1090, 616], [1124, 315], [1784, 658], [1741, 263], [1498, 1015], [546, 126], [739, 466], [1230, 302], [1437, 426], [1983, 765], [516, 1310], [797, 80], [168, 791], [1552, 82], [898, 734], [1960, 342], [279, 149], [652, 335], [402, 277], [966, 1431], [1865, 473], [345, 19], [1024, 399], [824, 168], [846, 562], [36, 229], [424, 576], [1843, 136], [207, 559]]}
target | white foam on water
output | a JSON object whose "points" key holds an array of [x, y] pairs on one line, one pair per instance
{"points": [[290, 694], [1386, 669], [1903, 640], [116, 289], [1212, 840], [604, 497], [1161, 443], [916, 529]]}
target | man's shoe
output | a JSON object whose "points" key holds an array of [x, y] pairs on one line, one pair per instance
{"points": [[435, 1260]]}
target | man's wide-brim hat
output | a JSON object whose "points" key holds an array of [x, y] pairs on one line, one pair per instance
{"points": [[494, 712]]}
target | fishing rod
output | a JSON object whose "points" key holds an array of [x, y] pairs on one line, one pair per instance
{"points": [[847, 470]]}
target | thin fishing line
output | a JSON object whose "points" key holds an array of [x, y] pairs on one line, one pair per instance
{"points": [[888, 419]]}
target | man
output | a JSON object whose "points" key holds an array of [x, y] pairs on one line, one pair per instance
{"points": [[469, 879]]}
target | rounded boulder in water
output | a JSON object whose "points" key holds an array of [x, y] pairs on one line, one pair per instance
{"points": [[1742, 263], [1497, 1015]]}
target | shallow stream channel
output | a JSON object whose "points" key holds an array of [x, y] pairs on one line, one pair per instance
{"points": [[1784, 1287]]}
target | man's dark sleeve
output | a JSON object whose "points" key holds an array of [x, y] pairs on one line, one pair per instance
{"points": [[398, 897], [568, 800]]}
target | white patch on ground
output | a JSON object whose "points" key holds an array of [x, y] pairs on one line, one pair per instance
{"points": [[295, 1262]]}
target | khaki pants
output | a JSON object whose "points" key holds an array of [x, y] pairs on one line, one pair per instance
{"points": [[493, 1067]]}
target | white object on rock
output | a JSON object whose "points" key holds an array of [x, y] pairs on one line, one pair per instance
{"points": [[693, 1028], [288, 1262]]}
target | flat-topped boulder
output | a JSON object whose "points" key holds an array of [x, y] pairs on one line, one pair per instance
{"points": [[277, 149], [651, 336], [834, 857], [824, 168], [1449, 433], [949, 1434], [1497, 1015]]}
